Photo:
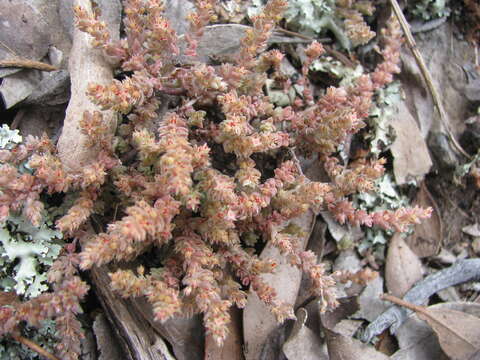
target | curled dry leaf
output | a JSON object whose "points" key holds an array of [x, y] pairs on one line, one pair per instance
{"points": [[458, 332], [371, 306], [107, 344], [417, 341], [403, 267], [337, 319], [346, 348], [410, 152], [258, 321], [428, 235], [303, 343], [341, 346]]}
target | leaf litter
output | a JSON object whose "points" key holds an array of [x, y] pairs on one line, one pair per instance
{"points": [[411, 160], [458, 332]]}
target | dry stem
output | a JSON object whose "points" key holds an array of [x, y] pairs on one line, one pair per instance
{"points": [[35, 347], [27, 64], [426, 75]]}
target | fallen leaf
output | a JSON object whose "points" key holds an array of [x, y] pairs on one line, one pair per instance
{"points": [[315, 244], [232, 346], [184, 334], [346, 307], [303, 343], [258, 321], [342, 233], [386, 343], [472, 230], [107, 343], [349, 261], [347, 348], [444, 59], [428, 235], [341, 345], [458, 332], [411, 159], [403, 267], [371, 306], [416, 339]]}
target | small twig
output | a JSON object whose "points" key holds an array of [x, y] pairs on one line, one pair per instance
{"points": [[8, 48], [401, 302], [339, 56], [426, 75], [301, 36], [35, 347], [296, 161], [26, 64], [460, 272], [336, 54]]}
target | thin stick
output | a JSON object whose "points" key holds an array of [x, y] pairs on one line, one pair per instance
{"points": [[26, 64], [426, 75], [337, 54], [35, 347], [401, 302], [301, 36], [8, 48]]}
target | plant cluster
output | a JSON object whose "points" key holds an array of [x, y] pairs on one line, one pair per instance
{"points": [[174, 189]]}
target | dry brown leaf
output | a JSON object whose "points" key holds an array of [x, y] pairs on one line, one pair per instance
{"points": [[346, 348], [428, 235], [303, 343], [417, 341], [371, 306], [107, 344], [444, 59], [411, 159], [457, 332], [403, 267], [258, 321], [386, 343], [232, 346], [342, 346], [347, 307]]}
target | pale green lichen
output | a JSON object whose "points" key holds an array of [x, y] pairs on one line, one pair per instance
{"points": [[429, 9], [8, 138], [381, 134], [26, 251]]}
